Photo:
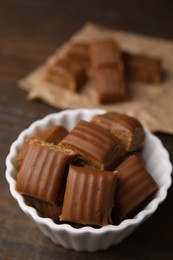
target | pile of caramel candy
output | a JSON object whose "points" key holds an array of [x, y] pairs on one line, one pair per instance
{"points": [[110, 68], [91, 175]]}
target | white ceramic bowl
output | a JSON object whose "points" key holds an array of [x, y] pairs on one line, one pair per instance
{"points": [[89, 238]]}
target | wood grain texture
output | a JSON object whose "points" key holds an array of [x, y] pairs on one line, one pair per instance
{"points": [[29, 32]]}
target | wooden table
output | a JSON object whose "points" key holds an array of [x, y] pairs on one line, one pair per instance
{"points": [[29, 32]]}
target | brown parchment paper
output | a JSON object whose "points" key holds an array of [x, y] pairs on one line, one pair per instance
{"points": [[152, 104]]}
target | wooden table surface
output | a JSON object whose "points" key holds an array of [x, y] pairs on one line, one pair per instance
{"points": [[29, 32]]}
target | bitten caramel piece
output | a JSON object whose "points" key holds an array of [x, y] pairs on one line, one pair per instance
{"points": [[43, 172], [105, 52], [80, 52], [134, 185], [110, 84], [45, 209], [52, 134], [128, 129], [93, 145], [89, 196], [67, 73], [142, 68]]}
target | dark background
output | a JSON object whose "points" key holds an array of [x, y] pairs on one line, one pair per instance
{"points": [[29, 32]]}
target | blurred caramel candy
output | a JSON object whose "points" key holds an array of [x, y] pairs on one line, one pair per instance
{"points": [[43, 172], [108, 71], [134, 185], [143, 68], [110, 84], [93, 145], [89, 196], [128, 129], [52, 134], [80, 52], [105, 52], [67, 73]]}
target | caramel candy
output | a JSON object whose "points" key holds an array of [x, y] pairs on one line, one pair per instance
{"points": [[93, 145], [52, 134], [80, 52], [134, 185], [126, 128], [105, 52], [142, 68], [110, 84], [108, 71], [43, 172], [67, 73], [89, 196], [45, 209]]}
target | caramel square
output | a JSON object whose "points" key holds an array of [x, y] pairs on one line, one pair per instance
{"points": [[89, 196], [93, 145], [52, 134], [134, 186], [67, 73], [110, 84], [43, 172], [142, 68], [80, 52], [105, 52], [128, 129]]}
